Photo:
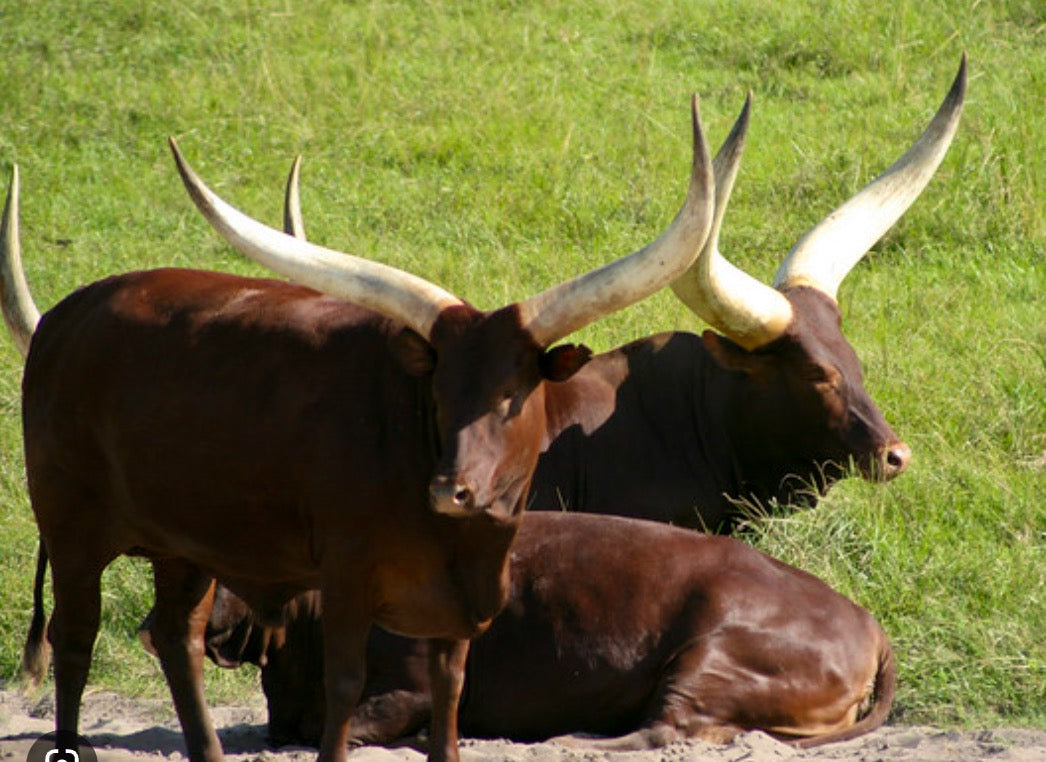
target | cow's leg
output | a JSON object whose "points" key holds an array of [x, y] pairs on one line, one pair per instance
{"points": [[184, 595], [447, 674], [650, 736], [78, 546], [691, 699], [389, 716], [72, 631], [653, 735], [345, 627], [696, 697]]}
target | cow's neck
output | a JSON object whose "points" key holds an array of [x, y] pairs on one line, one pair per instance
{"points": [[763, 471], [627, 438]]}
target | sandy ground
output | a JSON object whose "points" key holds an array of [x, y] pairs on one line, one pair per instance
{"points": [[123, 729]]}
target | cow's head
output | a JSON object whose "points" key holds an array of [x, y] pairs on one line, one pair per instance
{"points": [[487, 369], [801, 403]]}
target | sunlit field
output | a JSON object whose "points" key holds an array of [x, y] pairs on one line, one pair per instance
{"points": [[497, 148]]}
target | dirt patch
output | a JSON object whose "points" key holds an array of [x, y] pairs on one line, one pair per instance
{"points": [[123, 729]]}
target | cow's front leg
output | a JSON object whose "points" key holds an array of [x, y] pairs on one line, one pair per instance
{"points": [[345, 629], [184, 595], [447, 674]]}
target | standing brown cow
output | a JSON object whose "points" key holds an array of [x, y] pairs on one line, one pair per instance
{"points": [[617, 627], [373, 439]]}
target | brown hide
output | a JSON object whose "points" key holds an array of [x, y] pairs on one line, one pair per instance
{"points": [[272, 438], [615, 626], [678, 428]]}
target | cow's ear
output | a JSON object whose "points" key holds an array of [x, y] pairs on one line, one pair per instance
{"points": [[415, 354], [562, 362], [729, 355]]}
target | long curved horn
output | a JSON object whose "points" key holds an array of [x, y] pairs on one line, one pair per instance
{"points": [[727, 298], [20, 313], [829, 250], [563, 309], [387, 290], [293, 224]]}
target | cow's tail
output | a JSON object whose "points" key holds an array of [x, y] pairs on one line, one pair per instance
{"points": [[22, 317], [883, 691], [37, 653]]}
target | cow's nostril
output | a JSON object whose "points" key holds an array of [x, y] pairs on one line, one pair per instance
{"points": [[897, 459], [451, 497]]}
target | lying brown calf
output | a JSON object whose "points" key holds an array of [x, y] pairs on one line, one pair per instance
{"points": [[616, 627]]}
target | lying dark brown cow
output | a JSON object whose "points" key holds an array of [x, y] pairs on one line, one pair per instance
{"points": [[613, 626], [678, 427], [374, 438], [771, 409]]}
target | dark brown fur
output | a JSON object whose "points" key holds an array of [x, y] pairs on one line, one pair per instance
{"points": [[615, 627], [677, 427]]}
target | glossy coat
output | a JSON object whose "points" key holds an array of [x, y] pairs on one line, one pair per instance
{"points": [[274, 439], [623, 628]]}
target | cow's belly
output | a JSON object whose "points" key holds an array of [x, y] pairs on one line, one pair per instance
{"points": [[536, 692], [267, 547]]}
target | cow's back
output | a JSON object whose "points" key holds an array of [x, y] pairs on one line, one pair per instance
{"points": [[205, 435]]}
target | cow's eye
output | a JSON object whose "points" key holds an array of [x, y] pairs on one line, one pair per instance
{"points": [[824, 376], [507, 406], [831, 382]]}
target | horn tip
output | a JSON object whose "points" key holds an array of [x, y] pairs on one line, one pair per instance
{"points": [[746, 112], [958, 89], [294, 176], [198, 191], [700, 149], [178, 158], [184, 169], [702, 156], [292, 219]]}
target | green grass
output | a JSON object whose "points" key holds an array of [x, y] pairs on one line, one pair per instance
{"points": [[499, 147]]}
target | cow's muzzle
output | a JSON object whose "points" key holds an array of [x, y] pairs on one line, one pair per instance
{"points": [[891, 461], [451, 497]]}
